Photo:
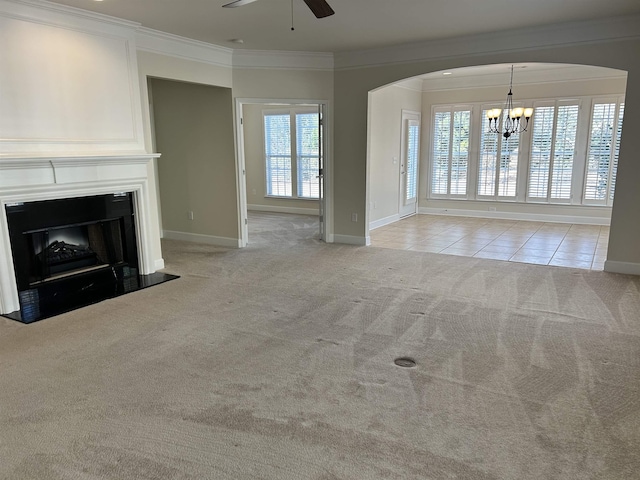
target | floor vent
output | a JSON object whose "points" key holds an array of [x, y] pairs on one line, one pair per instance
{"points": [[405, 362]]}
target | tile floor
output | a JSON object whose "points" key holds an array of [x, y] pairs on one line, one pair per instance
{"points": [[560, 244]]}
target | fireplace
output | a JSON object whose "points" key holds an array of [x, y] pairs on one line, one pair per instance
{"points": [[72, 252]]}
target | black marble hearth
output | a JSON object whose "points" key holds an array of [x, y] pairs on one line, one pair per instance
{"points": [[70, 253], [49, 300]]}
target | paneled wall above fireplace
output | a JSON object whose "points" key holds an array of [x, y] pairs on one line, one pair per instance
{"points": [[68, 82]]}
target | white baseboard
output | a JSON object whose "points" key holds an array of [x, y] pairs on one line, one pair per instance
{"points": [[158, 264], [274, 209], [352, 240], [535, 217], [384, 221], [622, 267], [199, 238]]}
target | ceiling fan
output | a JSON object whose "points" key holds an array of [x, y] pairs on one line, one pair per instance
{"points": [[320, 8]]}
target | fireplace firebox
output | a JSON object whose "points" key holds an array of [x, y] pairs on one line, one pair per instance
{"points": [[72, 252]]}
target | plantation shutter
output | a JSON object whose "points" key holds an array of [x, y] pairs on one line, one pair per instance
{"points": [[488, 155], [277, 135], [541, 145], [564, 151], [460, 152], [614, 166], [498, 166], [553, 146], [508, 172], [441, 146], [307, 143], [599, 152], [450, 160]]}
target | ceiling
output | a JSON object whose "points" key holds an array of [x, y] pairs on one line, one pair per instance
{"points": [[499, 75], [357, 24]]}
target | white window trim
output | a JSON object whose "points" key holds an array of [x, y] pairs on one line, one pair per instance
{"points": [[292, 112]]}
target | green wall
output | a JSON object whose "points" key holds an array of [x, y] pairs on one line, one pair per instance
{"points": [[197, 173]]}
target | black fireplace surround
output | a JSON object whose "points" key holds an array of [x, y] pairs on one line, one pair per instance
{"points": [[69, 253]]}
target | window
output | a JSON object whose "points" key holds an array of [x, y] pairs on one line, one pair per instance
{"points": [[277, 134], [413, 136], [603, 151], [451, 152], [307, 150], [292, 135], [567, 156], [498, 175], [553, 145]]}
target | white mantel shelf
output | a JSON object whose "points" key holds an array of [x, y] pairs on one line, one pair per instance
{"points": [[23, 161]]}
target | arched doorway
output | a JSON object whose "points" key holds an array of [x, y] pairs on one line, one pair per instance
{"points": [[561, 170]]}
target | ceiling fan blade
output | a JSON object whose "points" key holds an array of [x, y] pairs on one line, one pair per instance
{"points": [[238, 3], [320, 8]]}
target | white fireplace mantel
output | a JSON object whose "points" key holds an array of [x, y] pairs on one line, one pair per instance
{"points": [[28, 179]]}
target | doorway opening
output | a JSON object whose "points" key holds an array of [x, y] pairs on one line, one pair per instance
{"points": [[543, 194], [283, 172]]}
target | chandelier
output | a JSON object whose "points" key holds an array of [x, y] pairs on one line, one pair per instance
{"points": [[512, 122]]}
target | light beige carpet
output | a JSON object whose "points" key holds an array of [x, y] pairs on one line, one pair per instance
{"points": [[276, 362]]}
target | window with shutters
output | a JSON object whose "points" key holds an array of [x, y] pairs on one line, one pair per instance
{"points": [[450, 165], [307, 152], [569, 154], [498, 163], [292, 154], [553, 147], [603, 150]]}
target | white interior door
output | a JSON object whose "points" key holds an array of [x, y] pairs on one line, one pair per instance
{"points": [[409, 162]]}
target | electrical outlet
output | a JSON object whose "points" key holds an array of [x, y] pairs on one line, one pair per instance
{"points": [[190, 215], [354, 217], [492, 209]]}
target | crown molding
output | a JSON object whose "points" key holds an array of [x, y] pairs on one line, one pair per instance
{"points": [[573, 33], [282, 60], [162, 43], [62, 15]]}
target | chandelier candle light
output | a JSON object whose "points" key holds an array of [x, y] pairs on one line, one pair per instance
{"points": [[512, 121]]}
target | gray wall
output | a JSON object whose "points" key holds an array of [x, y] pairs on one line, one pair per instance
{"points": [[194, 134]]}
